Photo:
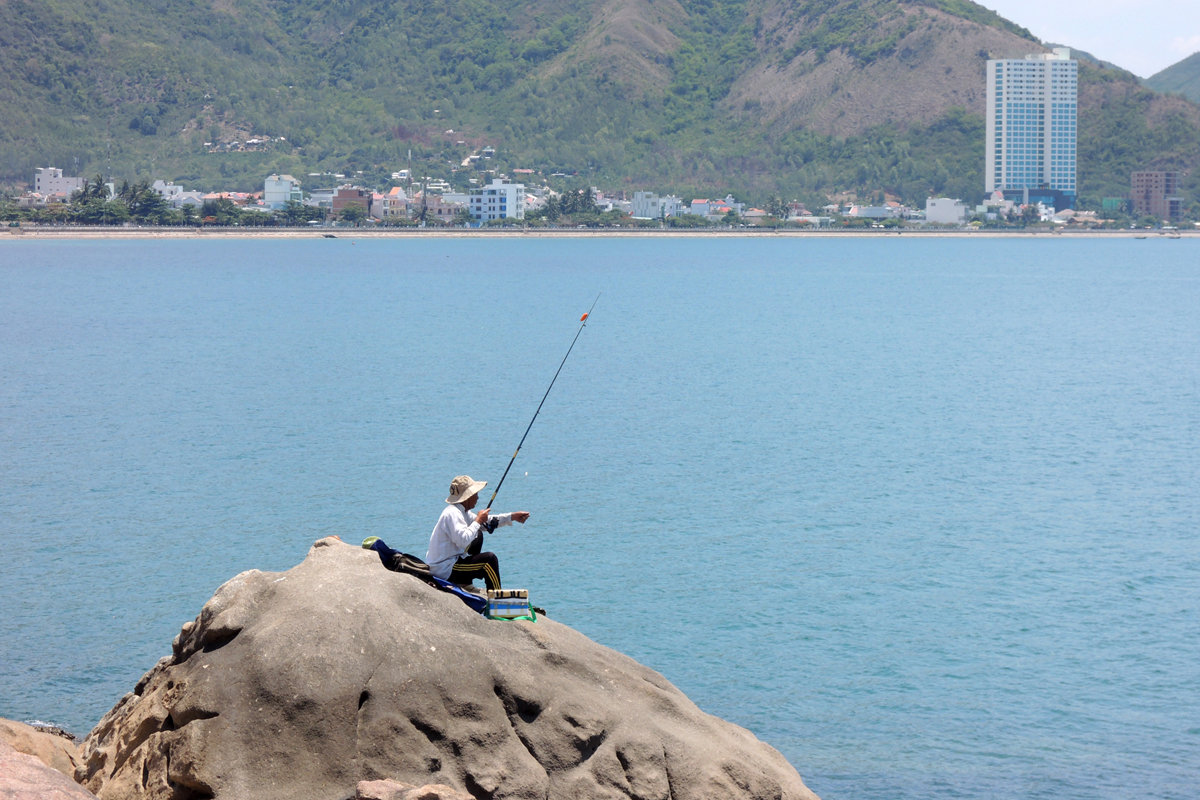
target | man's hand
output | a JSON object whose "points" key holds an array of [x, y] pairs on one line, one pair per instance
{"points": [[520, 516], [482, 517]]}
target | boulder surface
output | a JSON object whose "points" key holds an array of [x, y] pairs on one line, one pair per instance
{"points": [[52, 746], [303, 683], [394, 790], [27, 777]]}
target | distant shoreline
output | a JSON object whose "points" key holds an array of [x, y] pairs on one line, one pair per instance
{"points": [[69, 232]]}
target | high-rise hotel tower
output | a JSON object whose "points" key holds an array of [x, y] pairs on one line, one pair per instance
{"points": [[1032, 106]]}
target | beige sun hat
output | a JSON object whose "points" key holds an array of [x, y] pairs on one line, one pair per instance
{"points": [[463, 487]]}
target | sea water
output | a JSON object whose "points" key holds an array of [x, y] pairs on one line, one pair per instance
{"points": [[921, 514]]}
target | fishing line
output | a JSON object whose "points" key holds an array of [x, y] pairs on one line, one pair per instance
{"points": [[582, 324]]}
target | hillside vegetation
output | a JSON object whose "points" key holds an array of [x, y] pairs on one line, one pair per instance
{"points": [[1182, 78], [757, 97]]}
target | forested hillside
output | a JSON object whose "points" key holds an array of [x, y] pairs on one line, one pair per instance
{"points": [[757, 97], [1182, 78]]}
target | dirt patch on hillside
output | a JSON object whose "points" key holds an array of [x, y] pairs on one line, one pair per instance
{"points": [[938, 65], [630, 41]]}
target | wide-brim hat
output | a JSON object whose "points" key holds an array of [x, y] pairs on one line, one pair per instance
{"points": [[463, 487]]}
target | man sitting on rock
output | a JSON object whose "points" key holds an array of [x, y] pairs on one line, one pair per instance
{"points": [[457, 539]]}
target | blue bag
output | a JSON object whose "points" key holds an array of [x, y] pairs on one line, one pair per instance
{"points": [[411, 565]]}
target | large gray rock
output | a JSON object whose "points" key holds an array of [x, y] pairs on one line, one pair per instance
{"points": [[301, 684]]}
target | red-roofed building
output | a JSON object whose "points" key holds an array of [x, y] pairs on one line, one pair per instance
{"points": [[395, 204]]}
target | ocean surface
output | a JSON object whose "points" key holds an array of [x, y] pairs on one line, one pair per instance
{"points": [[921, 514]]}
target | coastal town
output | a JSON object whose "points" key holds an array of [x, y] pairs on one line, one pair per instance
{"points": [[59, 199], [1029, 176]]}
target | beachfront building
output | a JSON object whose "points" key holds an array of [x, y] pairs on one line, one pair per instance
{"points": [[889, 210], [50, 181], [715, 210], [1155, 193], [648, 205], [945, 211], [395, 204], [321, 198], [436, 208], [346, 195], [1032, 106], [279, 190], [176, 196], [498, 200]]}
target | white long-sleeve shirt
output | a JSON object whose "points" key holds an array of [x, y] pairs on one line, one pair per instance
{"points": [[456, 528]]}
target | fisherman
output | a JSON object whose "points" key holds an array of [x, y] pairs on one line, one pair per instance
{"points": [[457, 540]]}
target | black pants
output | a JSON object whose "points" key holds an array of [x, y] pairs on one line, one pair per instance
{"points": [[476, 564]]}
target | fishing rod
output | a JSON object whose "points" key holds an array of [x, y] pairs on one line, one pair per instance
{"points": [[582, 323]]}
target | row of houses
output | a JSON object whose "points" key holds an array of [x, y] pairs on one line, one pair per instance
{"points": [[947, 211], [648, 205], [436, 202], [499, 199]]}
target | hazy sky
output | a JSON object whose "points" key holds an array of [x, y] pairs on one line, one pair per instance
{"points": [[1142, 36]]}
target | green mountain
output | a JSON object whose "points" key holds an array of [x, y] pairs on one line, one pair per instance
{"points": [[1182, 78], [792, 98]]}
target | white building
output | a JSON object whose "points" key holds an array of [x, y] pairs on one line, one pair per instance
{"points": [[944, 211], [889, 211], [279, 190], [498, 200], [50, 180], [167, 190], [648, 205], [321, 198], [994, 207], [606, 204], [715, 210], [176, 196], [1032, 109]]}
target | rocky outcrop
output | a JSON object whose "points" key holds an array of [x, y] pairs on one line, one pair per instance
{"points": [[27, 777], [52, 746], [304, 683]]}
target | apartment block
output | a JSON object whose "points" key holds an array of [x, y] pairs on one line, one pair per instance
{"points": [[498, 200], [1032, 125], [1156, 194]]}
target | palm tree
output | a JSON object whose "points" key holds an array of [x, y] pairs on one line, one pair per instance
{"points": [[98, 188]]}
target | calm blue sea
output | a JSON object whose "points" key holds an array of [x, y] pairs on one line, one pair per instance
{"points": [[921, 514]]}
